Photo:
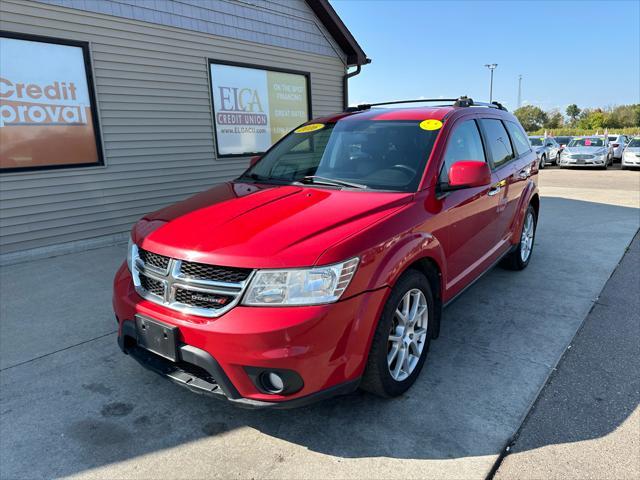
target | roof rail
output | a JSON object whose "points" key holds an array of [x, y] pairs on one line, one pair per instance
{"points": [[463, 101], [367, 106], [468, 102]]}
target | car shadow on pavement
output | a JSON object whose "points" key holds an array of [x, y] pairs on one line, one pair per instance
{"points": [[90, 406]]}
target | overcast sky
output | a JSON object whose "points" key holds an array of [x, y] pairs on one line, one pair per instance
{"points": [[580, 52]]}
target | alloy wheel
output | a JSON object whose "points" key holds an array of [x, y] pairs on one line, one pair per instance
{"points": [[526, 239], [408, 334]]}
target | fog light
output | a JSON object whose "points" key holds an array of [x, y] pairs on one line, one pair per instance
{"points": [[272, 382]]}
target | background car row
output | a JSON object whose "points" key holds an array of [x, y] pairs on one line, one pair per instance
{"points": [[588, 151]]}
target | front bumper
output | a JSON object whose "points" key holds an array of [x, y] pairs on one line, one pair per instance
{"points": [[327, 345], [630, 162], [599, 162]]}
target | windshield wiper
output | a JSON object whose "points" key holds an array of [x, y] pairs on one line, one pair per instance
{"points": [[330, 181], [264, 179]]}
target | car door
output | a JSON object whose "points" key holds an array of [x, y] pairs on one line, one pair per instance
{"points": [[505, 168], [553, 149], [468, 215]]}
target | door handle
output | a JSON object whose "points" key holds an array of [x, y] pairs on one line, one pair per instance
{"points": [[524, 173], [496, 187]]}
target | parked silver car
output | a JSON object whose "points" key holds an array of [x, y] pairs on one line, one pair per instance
{"points": [[594, 151], [618, 142], [546, 148], [631, 154]]}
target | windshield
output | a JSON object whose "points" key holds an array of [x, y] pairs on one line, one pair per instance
{"points": [[379, 155], [536, 142], [634, 143], [587, 142]]}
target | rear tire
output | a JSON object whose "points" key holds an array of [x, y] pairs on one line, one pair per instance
{"points": [[519, 258], [387, 375], [543, 162]]}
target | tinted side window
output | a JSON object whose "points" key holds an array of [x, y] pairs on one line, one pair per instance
{"points": [[519, 138], [498, 141], [464, 144]]}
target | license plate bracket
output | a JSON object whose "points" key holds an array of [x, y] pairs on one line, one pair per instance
{"points": [[157, 337]]}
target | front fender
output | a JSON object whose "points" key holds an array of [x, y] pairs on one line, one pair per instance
{"points": [[406, 251]]}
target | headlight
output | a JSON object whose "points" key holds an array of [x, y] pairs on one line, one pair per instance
{"points": [[313, 286], [130, 254]]}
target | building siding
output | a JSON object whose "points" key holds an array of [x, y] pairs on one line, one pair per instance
{"points": [[280, 23], [155, 116]]}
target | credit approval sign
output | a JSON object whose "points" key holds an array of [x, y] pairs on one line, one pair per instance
{"points": [[255, 107], [46, 117]]}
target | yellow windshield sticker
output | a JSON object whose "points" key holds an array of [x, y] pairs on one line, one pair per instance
{"points": [[312, 127], [431, 124]]}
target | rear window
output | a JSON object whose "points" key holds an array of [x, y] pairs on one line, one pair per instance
{"points": [[536, 142], [563, 140], [498, 141], [613, 139], [520, 140]]}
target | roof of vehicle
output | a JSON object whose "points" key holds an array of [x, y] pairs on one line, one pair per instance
{"points": [[438, 112]]}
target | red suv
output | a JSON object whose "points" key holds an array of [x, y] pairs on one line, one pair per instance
{"points": [[326, 266]]}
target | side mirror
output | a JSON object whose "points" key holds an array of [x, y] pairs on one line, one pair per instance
{"points": [[254, 160], [468, 174]]}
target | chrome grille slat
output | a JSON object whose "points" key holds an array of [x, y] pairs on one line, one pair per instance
{"points": [[165, 283]]}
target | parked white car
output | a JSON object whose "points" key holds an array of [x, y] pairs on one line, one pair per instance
{"points": [[593, 151], [631, 154], [546, 148], [618, 143]]}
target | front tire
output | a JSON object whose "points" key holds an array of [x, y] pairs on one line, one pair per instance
{"points": [[401, 341], [519, 258]]}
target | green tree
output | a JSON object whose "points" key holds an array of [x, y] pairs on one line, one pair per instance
{"points": [[531, 117], [572, 112], [593, 119], [554, 120], [624, 116]]}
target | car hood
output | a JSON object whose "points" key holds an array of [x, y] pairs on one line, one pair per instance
{"points": [[584, 150], [263, 226], [632, 149]]}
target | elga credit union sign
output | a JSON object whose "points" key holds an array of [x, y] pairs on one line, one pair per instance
{"points": [[46, 117], [254, 108]]}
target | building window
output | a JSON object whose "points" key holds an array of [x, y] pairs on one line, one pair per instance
{"points": [[254, 107], [47, 105]]}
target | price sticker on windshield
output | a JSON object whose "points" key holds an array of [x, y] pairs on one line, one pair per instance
{"points": [[431, 124], [312, 127]]}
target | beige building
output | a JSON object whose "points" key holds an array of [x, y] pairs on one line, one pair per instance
{"points": [[110, 109]]}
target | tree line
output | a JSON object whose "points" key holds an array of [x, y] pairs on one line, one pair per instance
{"points": [[625, 117]]}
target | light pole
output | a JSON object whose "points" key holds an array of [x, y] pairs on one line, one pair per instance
{"points": [[491, 67], [519, 91]]}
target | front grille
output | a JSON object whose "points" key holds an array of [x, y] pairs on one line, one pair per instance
{"points": [[582, 156], [188, 287], [154, 259], [214, 273], [152, 285], [202, 299]]}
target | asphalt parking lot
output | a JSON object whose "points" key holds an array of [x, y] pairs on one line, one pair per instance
{"points": [[72, 405]]}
